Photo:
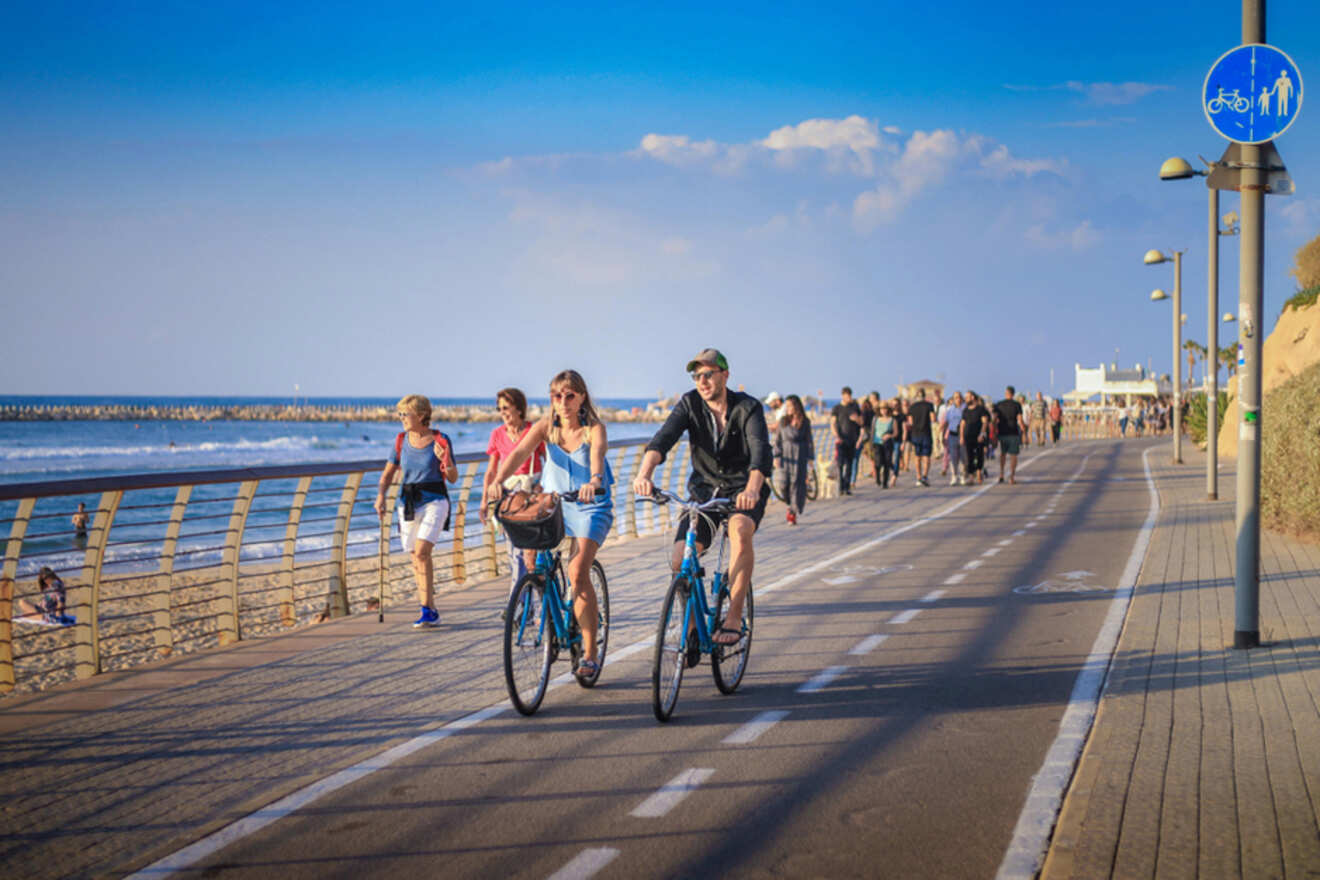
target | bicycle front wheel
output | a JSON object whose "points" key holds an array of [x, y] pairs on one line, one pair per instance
{"points": [[729, 662], [811, 482], [670, 650], [602, 625], [528, 636]]}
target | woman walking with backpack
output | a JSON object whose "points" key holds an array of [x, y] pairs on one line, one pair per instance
{"points": [[426, 458]]}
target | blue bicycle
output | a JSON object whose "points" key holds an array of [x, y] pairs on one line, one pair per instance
{"points": [[539, 622], [689, 619]]}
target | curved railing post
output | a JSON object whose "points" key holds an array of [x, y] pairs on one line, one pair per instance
{"points": [[338, 599], [228, 620], [13, 549], [162, 627], [458, 516], [87, 631], [488, 540], [288, 614]]}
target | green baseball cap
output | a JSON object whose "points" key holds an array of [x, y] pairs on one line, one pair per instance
{"points": [[709, 356]]}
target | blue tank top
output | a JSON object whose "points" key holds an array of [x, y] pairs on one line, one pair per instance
{"points": [[570, 471]]}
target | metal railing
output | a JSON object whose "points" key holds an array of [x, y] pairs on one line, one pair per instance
{"points": [[183, 561]]}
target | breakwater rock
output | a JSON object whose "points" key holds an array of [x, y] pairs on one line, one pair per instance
{"points": [[283, 413]]}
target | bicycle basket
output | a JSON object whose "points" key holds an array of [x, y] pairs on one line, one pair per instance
{"points": [[532, 520]]}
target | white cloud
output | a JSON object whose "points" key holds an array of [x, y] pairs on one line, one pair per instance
{"points": [[677, 149], [999, 163], [1099, 93], [1081, 237]]}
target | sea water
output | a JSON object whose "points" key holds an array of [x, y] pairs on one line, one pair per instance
{"points": [[40, 451]]}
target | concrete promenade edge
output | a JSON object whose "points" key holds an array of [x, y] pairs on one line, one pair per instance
{"points": [[1203, 761]]}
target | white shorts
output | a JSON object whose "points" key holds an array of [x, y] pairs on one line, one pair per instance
{"points": [[428, 524]]}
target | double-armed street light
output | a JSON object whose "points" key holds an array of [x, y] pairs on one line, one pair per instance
{"points": [[1153, 257], [1178, 168]]}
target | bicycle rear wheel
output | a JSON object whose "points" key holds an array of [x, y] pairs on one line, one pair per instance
{"points": [[670, 650], [528, 638], [811, 482], [729, 662], [602, 626]]}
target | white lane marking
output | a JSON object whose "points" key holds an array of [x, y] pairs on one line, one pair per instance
{"points": [[888, 536], [278, 809], [672, 793], [1005, 542], [904, 616], [843, 579], [635, 648], [821, 679], [993, 551], [259, 819], [1030, 525], [868, 644], [933, 596], [955, 579], [1026, 852], [586, 864], [975, 563], [754, 728], [1019, 533]]}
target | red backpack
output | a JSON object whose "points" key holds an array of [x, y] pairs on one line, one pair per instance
{"points": [[398, 444]]}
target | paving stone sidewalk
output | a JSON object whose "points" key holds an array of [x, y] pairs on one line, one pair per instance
{"points": [[1204, 761]]}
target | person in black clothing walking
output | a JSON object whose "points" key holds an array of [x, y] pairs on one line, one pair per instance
{"points": [[730, 459], [846, 425]]}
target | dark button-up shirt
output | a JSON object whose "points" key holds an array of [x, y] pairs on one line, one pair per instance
{"points": [[721, 463]]}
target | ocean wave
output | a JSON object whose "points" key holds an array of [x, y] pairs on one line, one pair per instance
{"points": [[295, 444]]}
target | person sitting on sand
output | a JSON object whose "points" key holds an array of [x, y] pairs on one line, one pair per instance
{"points": [[51, 609]]}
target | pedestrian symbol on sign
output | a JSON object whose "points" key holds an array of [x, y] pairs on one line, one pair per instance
{"points": [[1252, 93]]}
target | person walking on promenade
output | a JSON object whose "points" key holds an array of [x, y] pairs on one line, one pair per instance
{"points": [[512, 406], [950, 422], [575, 443], [864, 451], [972, 432], [775, 410], [794, 452], [905, 460], [53, 598], [1056, 420], [731, 458], [1010, 427], [846, 426], [937, 440], [426, 459], [884, 445], [921, 416], [1039, 419]]}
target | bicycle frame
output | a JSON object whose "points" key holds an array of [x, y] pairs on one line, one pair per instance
{"points": [[556, 610], [697, 612]]}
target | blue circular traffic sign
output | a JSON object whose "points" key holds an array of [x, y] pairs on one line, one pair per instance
{"points": [[1252, 93]]}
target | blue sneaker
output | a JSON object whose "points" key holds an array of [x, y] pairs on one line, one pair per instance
{"points": [[429, 620]]}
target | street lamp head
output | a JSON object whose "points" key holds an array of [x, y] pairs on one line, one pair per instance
{"points": [[1153, 256], [1177, 168], [1229, 317], [1230, 224], [1157, 295], [1182, 319]]}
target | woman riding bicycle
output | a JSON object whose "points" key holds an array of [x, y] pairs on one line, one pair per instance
{"points": [[574, 438]]}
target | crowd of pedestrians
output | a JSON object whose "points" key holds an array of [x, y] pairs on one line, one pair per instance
{"points": [[883, 439]]}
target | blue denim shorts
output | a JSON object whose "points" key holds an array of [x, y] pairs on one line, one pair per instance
{"points": [[921, 445]]}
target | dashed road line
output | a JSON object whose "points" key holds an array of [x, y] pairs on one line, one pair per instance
{"points": [[933, 596], [975, 563], [1006, 542], [672, 793], [754, 728], [955, 579], [586, 864], [993, 551], [821, 680], [904, 616], [868, 644]]}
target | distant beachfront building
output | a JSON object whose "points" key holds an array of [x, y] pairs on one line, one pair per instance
{"points": [[1108, 381], [931, 388]]}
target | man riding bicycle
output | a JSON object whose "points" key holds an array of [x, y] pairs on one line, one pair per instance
{"points": [[730, 459]]}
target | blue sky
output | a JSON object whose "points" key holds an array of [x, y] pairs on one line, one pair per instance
{"points": [[237, 198]]}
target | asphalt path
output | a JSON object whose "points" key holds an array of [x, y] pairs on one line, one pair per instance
{"points": [[901, 695]]}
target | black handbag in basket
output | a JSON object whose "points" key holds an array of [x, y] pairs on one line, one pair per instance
{"points": [[532, 520]]}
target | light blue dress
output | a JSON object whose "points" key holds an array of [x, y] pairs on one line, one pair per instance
{"points": [[570, 471]]}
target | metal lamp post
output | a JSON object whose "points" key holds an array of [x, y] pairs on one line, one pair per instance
{"points": [[1153, 257], [1178, 168]]}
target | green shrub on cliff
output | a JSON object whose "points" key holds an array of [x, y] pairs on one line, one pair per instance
{"points": [[1290, 456], [1196, 414]]}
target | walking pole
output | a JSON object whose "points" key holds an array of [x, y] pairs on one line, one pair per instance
{"points": [[383, 539]]}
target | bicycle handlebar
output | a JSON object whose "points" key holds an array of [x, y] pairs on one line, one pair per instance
{"points": [[660, 496]]}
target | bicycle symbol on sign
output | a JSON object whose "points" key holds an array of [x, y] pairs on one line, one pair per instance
{"points": [[1234, 100]]}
